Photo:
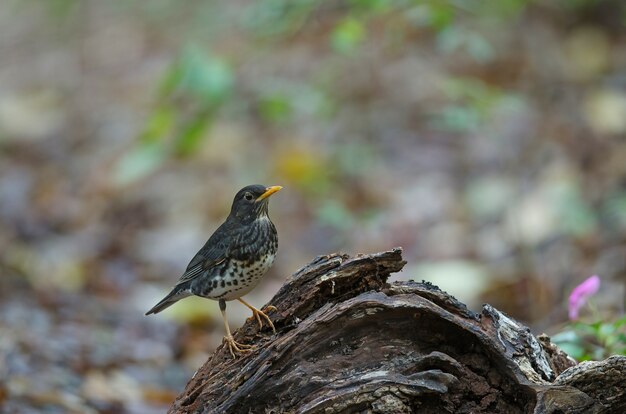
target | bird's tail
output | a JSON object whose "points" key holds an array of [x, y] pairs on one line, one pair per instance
{"points": [[173, 297]]}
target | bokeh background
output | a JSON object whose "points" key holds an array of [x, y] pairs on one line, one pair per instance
{"points": [[488, 139]]}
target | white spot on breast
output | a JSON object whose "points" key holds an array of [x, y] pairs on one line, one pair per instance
{"points": [[248, 278]]}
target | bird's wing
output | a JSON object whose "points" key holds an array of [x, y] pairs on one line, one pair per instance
{"points": [[212, 253]]}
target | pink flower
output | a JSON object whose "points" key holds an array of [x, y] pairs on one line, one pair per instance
{"points": [[581, 293]]}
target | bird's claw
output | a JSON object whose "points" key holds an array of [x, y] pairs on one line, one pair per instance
{"points": [[257, 314], [234, 346]]}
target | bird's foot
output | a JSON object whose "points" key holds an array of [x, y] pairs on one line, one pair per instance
{"points": [[258, 314], [270, 308], [234, 346]]}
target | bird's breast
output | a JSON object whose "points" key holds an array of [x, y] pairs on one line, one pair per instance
{"points": [[251, 256], [239, 277], [255, 241]]}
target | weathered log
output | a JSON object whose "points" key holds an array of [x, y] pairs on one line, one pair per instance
{"points": [[347, 342]]}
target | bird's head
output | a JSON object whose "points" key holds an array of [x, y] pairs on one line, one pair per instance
{"points": [[251, 202]]}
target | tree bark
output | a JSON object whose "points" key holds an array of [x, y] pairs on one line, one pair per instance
{"points": [[349, 342]]}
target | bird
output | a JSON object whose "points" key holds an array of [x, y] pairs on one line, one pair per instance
{"points": [[233, 260]]}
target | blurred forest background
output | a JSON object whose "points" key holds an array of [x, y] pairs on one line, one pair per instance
{"points": [[488, 139]]}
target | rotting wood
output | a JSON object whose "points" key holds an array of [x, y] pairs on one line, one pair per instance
{"points": [[347, 342]]}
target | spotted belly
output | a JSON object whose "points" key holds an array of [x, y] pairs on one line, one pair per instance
{"points": [[239, 278]]}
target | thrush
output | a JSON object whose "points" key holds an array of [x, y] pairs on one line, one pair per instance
{"points": [[233, 260]]}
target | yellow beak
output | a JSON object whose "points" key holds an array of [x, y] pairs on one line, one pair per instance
{"points": [[268, 192]]}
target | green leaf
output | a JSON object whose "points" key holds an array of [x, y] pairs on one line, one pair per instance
{"points": [[203, 82], [620, 322], [193, 132], [587, 329], [441, 17], [574, 350], [170, 81], [159, 125], [565, 336], [275, 108], [371, 6], [606, 330], [206, 76], [348, 34]]}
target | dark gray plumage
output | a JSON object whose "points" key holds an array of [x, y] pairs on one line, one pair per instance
{"points": [[235, 258]]}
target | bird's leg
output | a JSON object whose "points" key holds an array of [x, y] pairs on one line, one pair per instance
{"points": [[232, 344], [258, 313]]}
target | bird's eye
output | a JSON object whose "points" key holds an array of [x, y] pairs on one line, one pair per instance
{"points": [[248, 196]]}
